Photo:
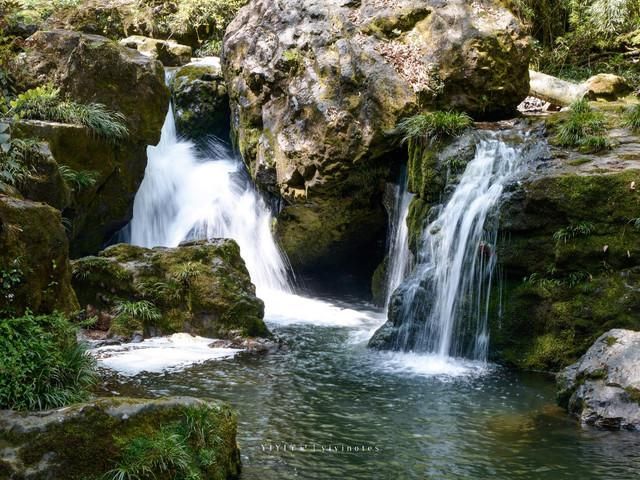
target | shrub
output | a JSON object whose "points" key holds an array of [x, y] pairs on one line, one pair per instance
{"points": [[41, 364], [433, 125], [206, 17], [583, 129], [44, 103]]}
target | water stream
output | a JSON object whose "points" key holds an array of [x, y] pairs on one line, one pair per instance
{"points": [[327, 407]]}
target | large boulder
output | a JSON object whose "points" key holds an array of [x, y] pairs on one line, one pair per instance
{"points": [[316, 86], [602, 389], [90, 68], [200, 100], [34, 259], [201, 287], [88, 440]]}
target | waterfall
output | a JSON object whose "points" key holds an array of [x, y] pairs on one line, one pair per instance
{"points": [[445, 302], [399, 256], [190, 194]]}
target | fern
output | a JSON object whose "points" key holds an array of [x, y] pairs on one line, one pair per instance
{"points": [[45, 103], [78, 180], [433, 126]]}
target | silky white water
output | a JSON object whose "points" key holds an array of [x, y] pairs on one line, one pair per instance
{"points": [[189, 195], [399, 256], [446, 301]]}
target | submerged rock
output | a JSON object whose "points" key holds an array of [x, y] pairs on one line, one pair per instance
{"points": [[200, 100], [317, 86], [34, 259], [90, 69], [87, 440], [169, 52], [201, 288], [602, 389]]}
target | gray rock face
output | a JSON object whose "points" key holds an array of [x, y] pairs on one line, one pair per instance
{"points": [[603, 388], [317, 85]]}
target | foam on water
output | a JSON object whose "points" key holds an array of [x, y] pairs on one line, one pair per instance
{"points": [[160, 354], [430, 365]]}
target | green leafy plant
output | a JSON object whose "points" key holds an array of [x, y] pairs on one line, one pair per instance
{"points": [[16, 163], [44, 103], [433, 126], [41, 364], [78, 180], [584, 129], [582, 229]]}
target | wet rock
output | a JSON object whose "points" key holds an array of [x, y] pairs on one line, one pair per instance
{"points": [[169, 52], [200, 100], [316, 87], [201, 288], [602, 389], [88, 440]]}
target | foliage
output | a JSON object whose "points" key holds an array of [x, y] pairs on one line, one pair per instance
{"points": [[433, 126], [78, 180], [41, 364], [16, 164], [583, 129], [632, 118], [210, 48], [10, 278], [44, 103], [185, 450], [208, 18], [134, 315], [582, 229]]}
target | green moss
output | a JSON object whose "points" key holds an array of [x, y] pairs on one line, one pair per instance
{"points": [[634, 394], [611, 341], [97, 438]]}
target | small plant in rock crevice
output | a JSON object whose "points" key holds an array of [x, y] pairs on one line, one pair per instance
{"points": [[583, 229], [134, 315]]}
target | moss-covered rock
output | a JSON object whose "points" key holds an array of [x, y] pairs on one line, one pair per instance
{"points": [[34, 261], [89, 68], [316, 87], [570, 254], [200, 100], [85, 441], [202, 288]]}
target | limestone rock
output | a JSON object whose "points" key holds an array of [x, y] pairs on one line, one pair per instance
{"points": [[200, 100], [201, 288], [169, 52], [88, 440], [602, 389], [34, 261], [90, 68], [316, 86]]}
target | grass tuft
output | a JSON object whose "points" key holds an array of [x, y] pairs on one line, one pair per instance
{"points": [[433, 126], [584, 129]]}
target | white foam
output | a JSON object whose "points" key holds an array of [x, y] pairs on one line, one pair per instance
{"points": [[430, 365], [160, 354], [288, 309]]}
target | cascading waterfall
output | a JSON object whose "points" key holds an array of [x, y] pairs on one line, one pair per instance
{"points": [[190, 195], [445, 302], [399, 263]]}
